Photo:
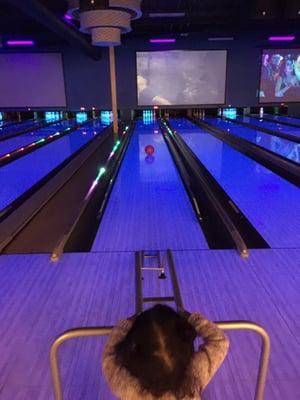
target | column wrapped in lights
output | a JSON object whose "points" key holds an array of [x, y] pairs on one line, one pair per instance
{"points": [[106, 20]]}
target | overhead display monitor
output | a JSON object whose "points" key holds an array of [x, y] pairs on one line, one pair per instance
{"points": [[31, 80], [181, 77], [280, 76]]}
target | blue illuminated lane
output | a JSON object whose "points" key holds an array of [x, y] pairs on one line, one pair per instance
{"points": [[274, 126], [148, 208], [277, 145], [6, 123], [270, 203], [20, 175], [19, 127], [282, 118], [16, 142]]}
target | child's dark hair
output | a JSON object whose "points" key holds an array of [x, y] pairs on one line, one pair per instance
{"points": [[158, 350]]}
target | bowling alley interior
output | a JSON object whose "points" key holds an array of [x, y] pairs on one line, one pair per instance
{"points": [[149, 163]]}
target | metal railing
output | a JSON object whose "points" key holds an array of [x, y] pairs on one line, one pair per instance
{"points": [[105, 330]]}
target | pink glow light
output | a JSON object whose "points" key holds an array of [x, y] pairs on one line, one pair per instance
{"points": [[162, 40], [281, 38], [68, 17], [20, 43]]}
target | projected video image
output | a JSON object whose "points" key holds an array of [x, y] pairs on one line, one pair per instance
{"points": [[280, 76], [181, 77]]}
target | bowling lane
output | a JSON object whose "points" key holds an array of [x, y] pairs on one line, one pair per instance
{"points": [[7, 123], [148, 207], [19, 127], [16, 142], [20, 175], [274, 126], [283, 118], [270, 203], [279, 146]]}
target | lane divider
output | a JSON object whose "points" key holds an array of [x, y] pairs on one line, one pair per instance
{"points": [[19, 152]]}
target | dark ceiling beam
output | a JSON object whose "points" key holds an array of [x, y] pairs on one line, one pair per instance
{"points": [[47, 18]]}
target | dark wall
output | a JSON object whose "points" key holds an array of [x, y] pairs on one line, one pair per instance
{"points": [[88, 84], [88, 81], [294, 109]]}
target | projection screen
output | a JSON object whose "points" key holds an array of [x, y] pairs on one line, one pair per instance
{"points": [[181, 77], [31, 80], [280, 76]]}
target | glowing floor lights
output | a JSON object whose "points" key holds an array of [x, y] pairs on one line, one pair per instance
{"points": [[106, 117], [148, 117], [81, 117], [52, 116], [115, 148], [103, 170], [230, 113], [34, 144], [168, 129]]}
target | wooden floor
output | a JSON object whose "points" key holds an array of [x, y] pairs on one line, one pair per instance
{"points": [[39, 300]]}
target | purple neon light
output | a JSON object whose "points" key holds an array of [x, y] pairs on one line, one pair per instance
{"points": [[281, 38], [162, 40], [68, 17], [20, 43]]}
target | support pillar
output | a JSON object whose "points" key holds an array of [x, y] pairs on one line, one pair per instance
{"points": [[113, 83]]}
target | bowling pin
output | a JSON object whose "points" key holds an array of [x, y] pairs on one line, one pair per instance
{"points": [[261, 112]]}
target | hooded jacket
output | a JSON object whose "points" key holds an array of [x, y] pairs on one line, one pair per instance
{"points": [[204, 364]]}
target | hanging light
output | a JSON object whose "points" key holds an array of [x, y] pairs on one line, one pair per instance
{"points": [[105, 20], [73, 9]]}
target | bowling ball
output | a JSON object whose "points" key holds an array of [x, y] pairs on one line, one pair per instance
{"points": [[149, 150]]}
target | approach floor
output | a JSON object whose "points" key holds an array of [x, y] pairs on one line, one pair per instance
{"points": [[40, 300]]}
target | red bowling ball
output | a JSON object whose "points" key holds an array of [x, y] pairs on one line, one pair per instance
{"points": [[149, 150]]}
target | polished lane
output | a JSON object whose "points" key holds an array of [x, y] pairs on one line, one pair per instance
{"points": [[149, 208], [274, 126], [19, 126], [20, 175], [270, 203], [282, 147], [283, 118], [7, 123], [17, 142]]}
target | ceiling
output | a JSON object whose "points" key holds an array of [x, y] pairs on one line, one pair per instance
{"points": [[209, 17], [214, 16]]}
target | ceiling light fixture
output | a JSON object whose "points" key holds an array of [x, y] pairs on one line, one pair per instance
{"points": [[105, 20], [162, 40], [281, 38], [68, 17], [220, 39], [20, 43], [166, 14]]}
